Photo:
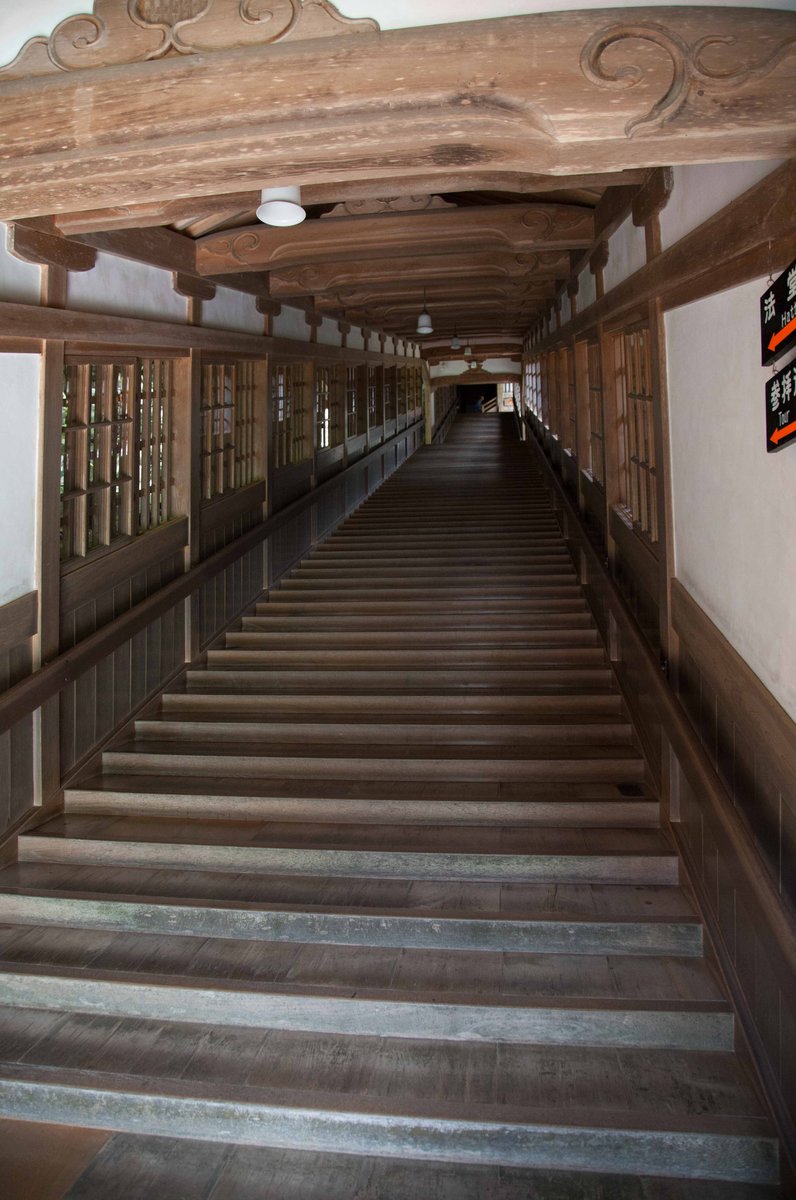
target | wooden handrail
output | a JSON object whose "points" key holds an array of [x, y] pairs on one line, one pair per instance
{"points": [[690, 752], [34, 691]]}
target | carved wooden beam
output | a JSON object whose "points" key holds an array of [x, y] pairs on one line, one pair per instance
{"points": [[459, 230], [190, 212], [48, 249], [609, 89], [316, 279], [518, 292], [192, 287]]}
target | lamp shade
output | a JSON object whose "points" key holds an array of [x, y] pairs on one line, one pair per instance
{"points": [[281, 207], [456, 343], [468, 351], [424, 323]]}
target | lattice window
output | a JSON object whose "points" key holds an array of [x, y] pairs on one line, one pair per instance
{"points": [[354, 411], [115, 451], [401, 391], [374, 416], [389, 393], [641, 487], [596, 415], [327, 408], [571, 437], [228, 427], [290, 425]]}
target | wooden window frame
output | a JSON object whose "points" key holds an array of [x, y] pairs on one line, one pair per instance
{"points": [[638, 462], [116, 460]]}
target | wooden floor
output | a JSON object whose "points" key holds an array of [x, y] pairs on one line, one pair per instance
{"points": [[378, 904]]}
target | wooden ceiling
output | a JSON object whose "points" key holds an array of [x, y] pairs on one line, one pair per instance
{"points": [[470, 168]]}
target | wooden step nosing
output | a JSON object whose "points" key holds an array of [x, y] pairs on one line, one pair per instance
{"points": [[322, 1124], [397, 1015], [439, 930], [591, 814], [656, 868]]}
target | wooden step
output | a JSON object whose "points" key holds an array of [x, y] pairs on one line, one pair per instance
{"points": [[519, 707], [571, 938], [257, 634], [719, 1147], [653, 868], [154, 797], [320, 761], [184, 1166], [395, 679], [385, 657], [384, 734], [390, 1014]]}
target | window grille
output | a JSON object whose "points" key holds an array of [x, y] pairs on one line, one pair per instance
{"points": [[228, 427], [596, 415], [640, 475], [290, 426], [116, 432]]}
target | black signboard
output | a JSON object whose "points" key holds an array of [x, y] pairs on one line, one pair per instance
{"points": [[781, 409], [778, 316]]}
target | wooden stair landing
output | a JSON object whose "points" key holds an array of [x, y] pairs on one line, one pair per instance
{"points": [[378, 904]]}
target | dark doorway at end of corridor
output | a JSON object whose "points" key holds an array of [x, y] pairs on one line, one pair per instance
{"points": [[477, 397]]}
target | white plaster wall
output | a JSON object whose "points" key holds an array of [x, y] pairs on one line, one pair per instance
{"points": [[329, 334], [373, 343], [733, 503], [502, 366], [19, 473], [566, 308], [355, 339], [19, 281], [389, 345], [627, 253], [291, 323], [454, 367], [702, 189], [231, 310], [126, 289], [587, 289]]}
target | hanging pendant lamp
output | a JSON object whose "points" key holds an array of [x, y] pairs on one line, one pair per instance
{"points": [[424, 325]]}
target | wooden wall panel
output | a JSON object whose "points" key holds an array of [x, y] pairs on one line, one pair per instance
{"points": [[750, 739], [18, 624], [728, 784]]}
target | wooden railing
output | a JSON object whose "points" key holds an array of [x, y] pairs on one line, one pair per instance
{"points": [[728, 874], [31, 693]]}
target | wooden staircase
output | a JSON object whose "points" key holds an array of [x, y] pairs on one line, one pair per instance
{"points": [[380, 904]]}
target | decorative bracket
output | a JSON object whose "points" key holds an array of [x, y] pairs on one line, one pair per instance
{"points": [[143, 30], [32, 244]]}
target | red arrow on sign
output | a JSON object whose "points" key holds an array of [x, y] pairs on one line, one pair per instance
{"points": [[786, 431], [783, 333]]}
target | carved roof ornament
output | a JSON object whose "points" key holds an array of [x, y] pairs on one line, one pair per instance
{"points": [[143, 30], [392, 204], [690, 71]]}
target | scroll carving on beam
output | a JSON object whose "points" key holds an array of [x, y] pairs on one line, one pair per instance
{"points": [[692, 69], [116, 33]]}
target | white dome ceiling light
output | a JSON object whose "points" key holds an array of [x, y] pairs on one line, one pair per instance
{"points": [[281, 206]]}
